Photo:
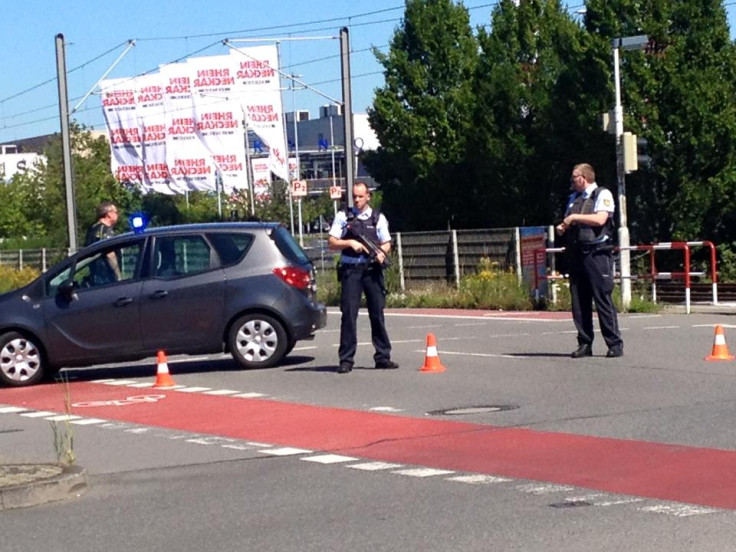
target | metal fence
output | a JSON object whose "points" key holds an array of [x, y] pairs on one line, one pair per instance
{"points": [[40, 259], [439, 256], [421, 256]]}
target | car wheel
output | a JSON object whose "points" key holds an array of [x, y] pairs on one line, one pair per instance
{"points": [[257, 341], [21, 362], [289, 347]]}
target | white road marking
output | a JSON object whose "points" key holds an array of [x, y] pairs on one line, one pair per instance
{"points": [[329, 459], [678, 510], [249, 395], [143, 384], [38, 414], [88, 421], [120, 382], [285, 451], [537, 489], [237, 447], [661, 327], [374, 466], [385, 409], [63, 418], [479, 479], [305, 348], [210, 440], [193, 389], [11, 409], [484, 355], [423, 472], [221, 392]]}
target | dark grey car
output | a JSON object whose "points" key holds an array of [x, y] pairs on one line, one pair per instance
{"points": [[246, 288]]}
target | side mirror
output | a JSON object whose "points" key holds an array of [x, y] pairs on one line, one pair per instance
{"points": [[67, 289]]}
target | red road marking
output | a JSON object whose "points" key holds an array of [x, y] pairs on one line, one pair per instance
{"points": [[667, 472]]}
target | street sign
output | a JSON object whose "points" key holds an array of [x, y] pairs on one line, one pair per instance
{"points": [[299, 188], [335, 192]]}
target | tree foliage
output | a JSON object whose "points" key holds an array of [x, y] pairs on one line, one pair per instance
{"points": [[534, 93], [421, 115]]}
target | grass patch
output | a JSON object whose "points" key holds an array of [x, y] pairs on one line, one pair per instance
{"points": [[12, 278]]}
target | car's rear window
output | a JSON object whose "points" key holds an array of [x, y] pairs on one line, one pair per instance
{"points": [[288, 246], [230, 246]]}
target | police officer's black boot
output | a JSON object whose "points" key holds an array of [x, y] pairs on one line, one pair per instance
{"points": [[582, 351]]}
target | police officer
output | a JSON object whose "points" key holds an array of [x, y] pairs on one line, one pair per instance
{"points": [[588, 228], [361, 272], [107, 217]]}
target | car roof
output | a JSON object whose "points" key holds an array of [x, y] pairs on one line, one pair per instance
{"points": [[201, 227]]}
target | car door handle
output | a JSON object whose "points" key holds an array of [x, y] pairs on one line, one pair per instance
{"points": [[122, 301], [160, 294]]}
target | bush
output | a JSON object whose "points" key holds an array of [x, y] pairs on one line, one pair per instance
{"points": [[11, 278], [493, 288]]}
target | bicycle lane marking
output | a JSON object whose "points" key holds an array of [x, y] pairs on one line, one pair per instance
{"points": [[661, 471]]}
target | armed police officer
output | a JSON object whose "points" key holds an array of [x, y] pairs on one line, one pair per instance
{"points": [[588, 229], [362, 235]]}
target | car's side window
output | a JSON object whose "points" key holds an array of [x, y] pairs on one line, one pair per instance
{"points": [[230, 246], [104, 267], [176, 256], [108, 266]]}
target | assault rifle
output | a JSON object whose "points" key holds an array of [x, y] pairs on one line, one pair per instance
{"points": [[373, 248]]}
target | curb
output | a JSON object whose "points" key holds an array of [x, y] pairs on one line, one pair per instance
{"points": [[42, 483]]}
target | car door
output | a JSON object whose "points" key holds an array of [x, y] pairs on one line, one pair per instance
{"points": [[100, 321], [183, 300]]}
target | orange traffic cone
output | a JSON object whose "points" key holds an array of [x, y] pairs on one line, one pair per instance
{"points": [[163, 378], [431, 360], [720, 349]]}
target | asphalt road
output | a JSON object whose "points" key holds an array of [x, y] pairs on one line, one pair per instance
{"points": [[542, 453]]}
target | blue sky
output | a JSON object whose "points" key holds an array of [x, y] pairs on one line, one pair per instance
{"points": [[97, 31]]}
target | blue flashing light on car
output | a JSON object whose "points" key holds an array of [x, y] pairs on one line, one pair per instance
{"points": [[138, 222]]}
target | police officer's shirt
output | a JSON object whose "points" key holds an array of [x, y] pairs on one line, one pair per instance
{"points": [[604, 201], [340, 227], [98, 231]]}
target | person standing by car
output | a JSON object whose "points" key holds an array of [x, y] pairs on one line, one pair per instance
{"points": [[588, 229], [107, 217], [361, 273]]}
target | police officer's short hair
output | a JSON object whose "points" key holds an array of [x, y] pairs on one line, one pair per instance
{"points": [[586, 171], [104, 208]]}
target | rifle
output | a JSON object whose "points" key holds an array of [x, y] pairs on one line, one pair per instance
{"points": [[373, 248]]}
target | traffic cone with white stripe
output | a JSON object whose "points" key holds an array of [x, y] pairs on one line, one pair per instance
{"points": [[431, 359], [720, 349], [163, 377]]}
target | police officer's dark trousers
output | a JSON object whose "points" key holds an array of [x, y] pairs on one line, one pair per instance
{"points": [[356, 280], [591, 280]]}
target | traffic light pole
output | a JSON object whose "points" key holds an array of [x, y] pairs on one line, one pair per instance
{"points": [[623, 229]]}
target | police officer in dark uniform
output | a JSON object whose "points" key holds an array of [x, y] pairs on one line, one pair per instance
{"points": [[107, 216], [361, 271], [588, 229]]}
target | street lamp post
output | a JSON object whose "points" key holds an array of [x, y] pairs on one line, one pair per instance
{"points": [[638, 42]]}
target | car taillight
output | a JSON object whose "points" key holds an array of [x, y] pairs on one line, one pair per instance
{"points": [[294, 276]]}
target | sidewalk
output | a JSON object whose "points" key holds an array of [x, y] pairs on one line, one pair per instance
{"points": [[24, 485]]}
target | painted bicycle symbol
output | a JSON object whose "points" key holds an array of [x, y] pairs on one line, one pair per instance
{"points": [[135, 399]]}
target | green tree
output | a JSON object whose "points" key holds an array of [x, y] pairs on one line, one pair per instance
{"points": [[93, 184], [422, 115], [678, 95], [534, 118]]}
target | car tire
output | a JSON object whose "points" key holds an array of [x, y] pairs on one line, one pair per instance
{"points": [[257, 341], [289, 347], [21, 360]]}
